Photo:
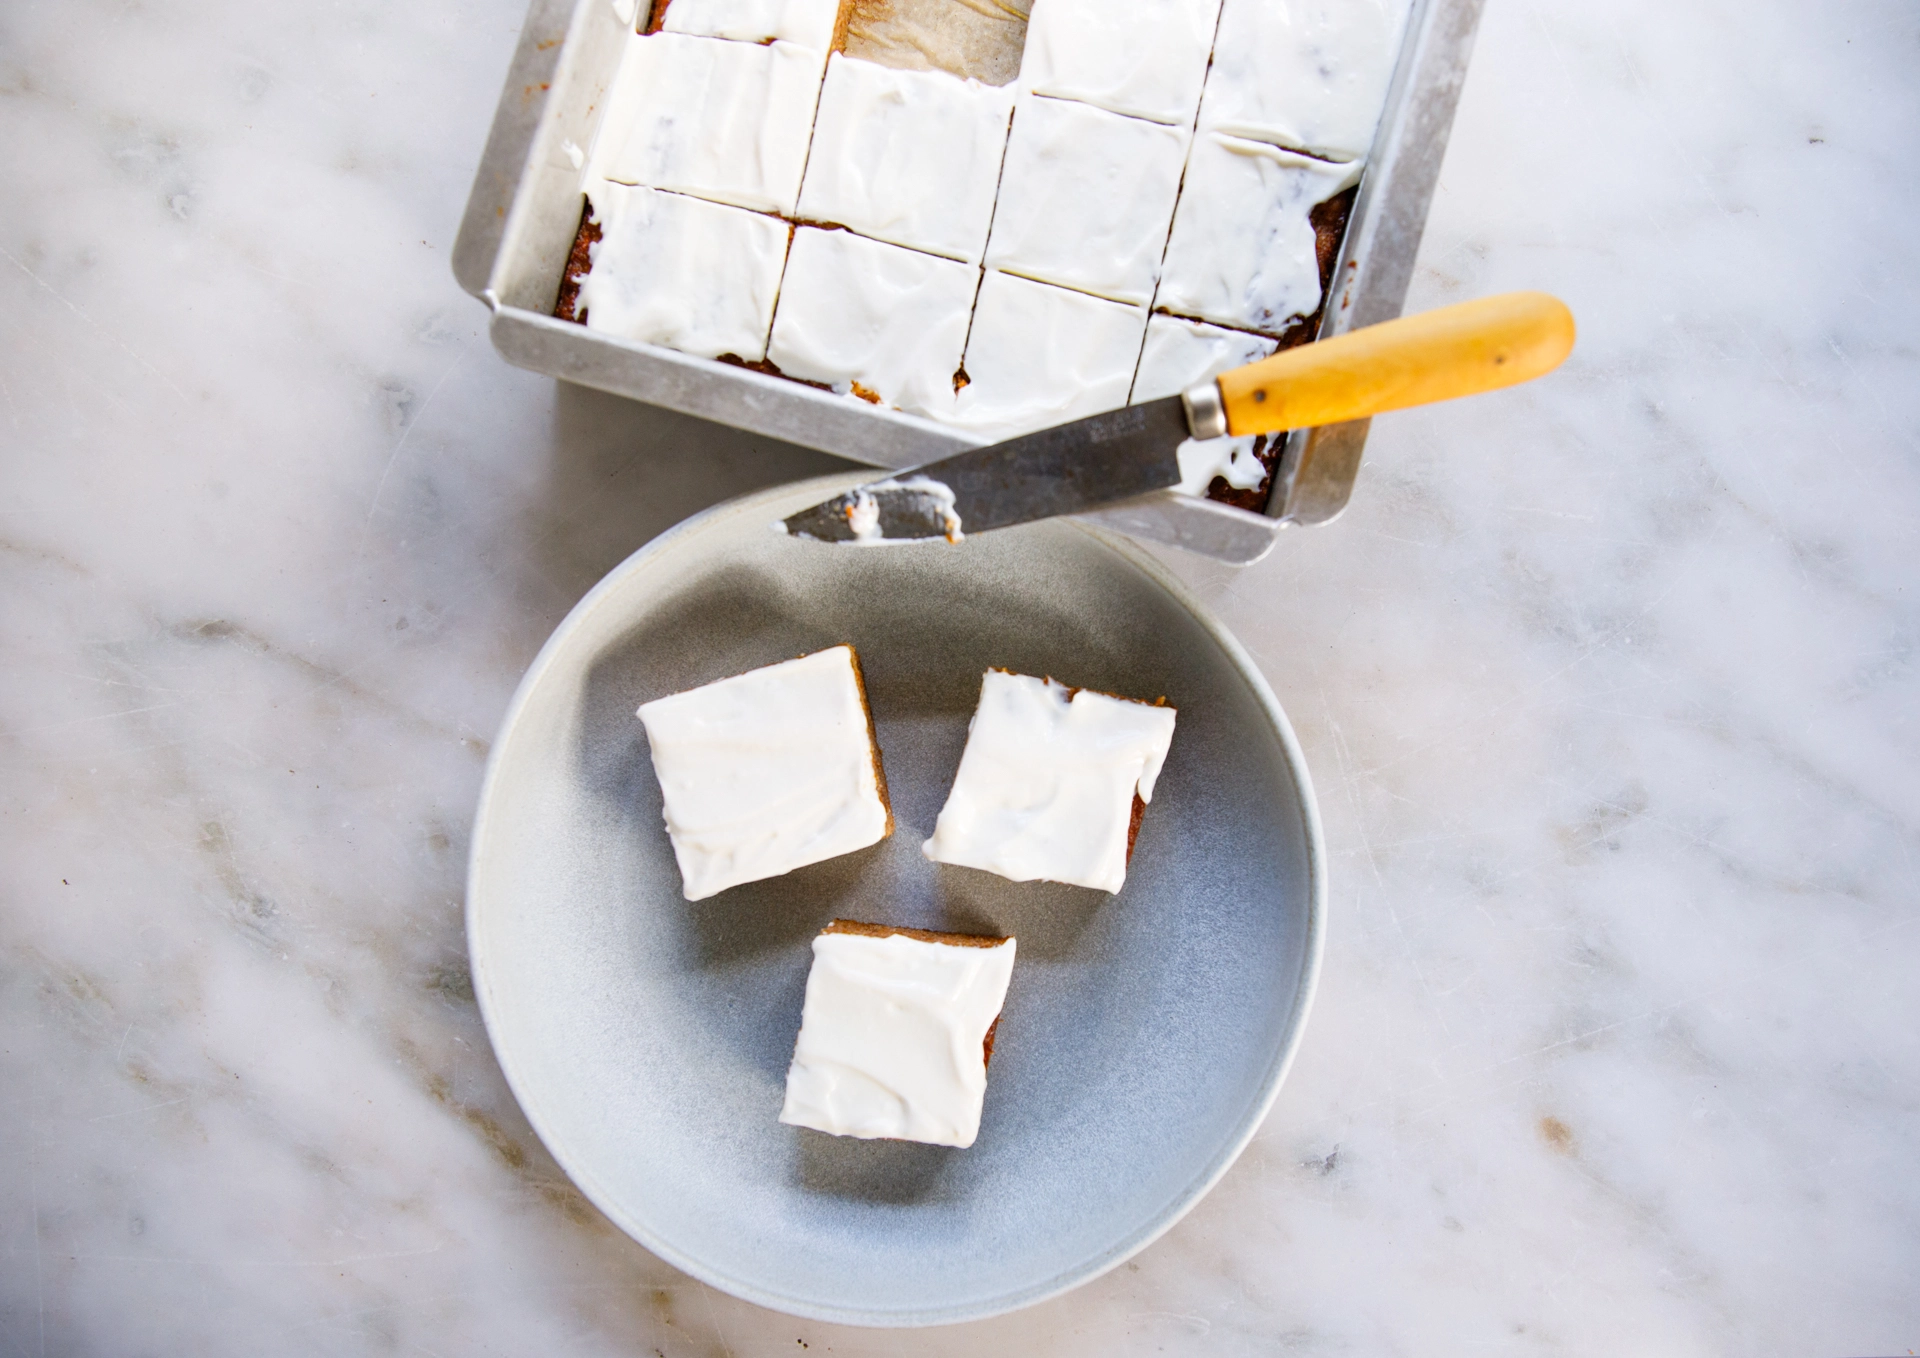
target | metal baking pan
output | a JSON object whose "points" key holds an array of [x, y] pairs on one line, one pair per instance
{"points": [[525, 209]]}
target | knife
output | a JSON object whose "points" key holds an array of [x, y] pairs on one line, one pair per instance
{"points": [[1454, 351]]}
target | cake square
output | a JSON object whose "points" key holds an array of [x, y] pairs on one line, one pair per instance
{"points": [[1177, 355], [813, 24], [1085, 198], [1310, 74], [768, 771], [1144, 58], [1052, 782], [911, 157], [1243, 252], [1039, 355], [1180, 353], [896, 1032], [673, 270], [726, 121], [881, 322]]}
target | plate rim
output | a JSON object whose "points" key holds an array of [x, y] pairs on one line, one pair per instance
{"points": [[1087, 1269]]}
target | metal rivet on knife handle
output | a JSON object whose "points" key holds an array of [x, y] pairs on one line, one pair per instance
{"points": [[1206, 416]]}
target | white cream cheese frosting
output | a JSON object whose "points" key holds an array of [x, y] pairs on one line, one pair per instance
{"points": [[892, 1035], [1046, 784], [1144, 58], [1231, 459], [1085, 198], [1039, 355], [766, 772], [809, 23], [1177, 355], [1242, 248], [893, 321], [1310, 74], [691, 275], [911, 157], [1180, 353], [726, 121]]}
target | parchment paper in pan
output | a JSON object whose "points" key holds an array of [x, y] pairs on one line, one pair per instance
{"points": [[978, 38]]}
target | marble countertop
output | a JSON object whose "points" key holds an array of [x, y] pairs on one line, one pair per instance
{"points": [[1608, 684]]}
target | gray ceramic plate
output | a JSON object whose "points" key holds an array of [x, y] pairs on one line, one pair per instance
{"points": [[1144, 1036]]}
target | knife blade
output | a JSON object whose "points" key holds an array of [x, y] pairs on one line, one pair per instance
{"points": [[1453, 351], [1072, 467]]}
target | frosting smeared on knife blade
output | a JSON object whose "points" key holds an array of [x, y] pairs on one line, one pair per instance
{"points": [[908, 509]]}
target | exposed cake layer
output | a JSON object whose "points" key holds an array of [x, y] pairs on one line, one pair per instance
{"points": [[911, 157], [1243, 251], [1040, 355], [1310, 74], [768, 771], [1085, 198], [876, 320], [692, 275], [893, 1034], [1144, 58], [1046, 785], [726, 121]]}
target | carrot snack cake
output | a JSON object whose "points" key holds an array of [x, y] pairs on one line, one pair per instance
{"points": [[768, 771], [896, 1032], [1039, 355], [909, 157], [721, 120], [1243, 252], [1143, 58], [1309, 74], [883, 323], [673, 270], [1052, 782], [1085, 198]]}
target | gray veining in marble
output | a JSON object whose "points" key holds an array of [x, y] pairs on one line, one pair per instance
{"points": [[1607, 684]]}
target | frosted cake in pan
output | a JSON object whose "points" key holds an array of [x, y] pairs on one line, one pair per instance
{"points": [[1159, 194]]}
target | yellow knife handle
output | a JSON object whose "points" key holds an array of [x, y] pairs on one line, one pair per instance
{"points": [[1435, 356]]}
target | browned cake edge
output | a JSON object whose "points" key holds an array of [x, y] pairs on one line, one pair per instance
{"points": [[579, 263], [864, 930], [873, 736]]}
